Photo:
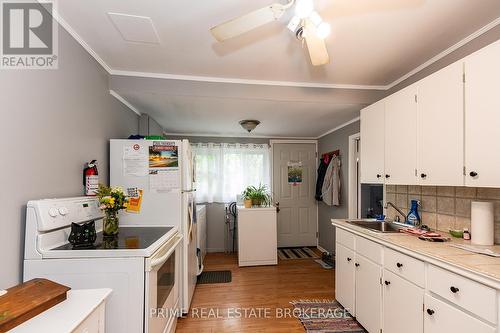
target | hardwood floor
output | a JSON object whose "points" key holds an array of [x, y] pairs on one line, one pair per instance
{"points": [[265, 289]]}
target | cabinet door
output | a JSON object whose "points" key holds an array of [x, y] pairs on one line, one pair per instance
{"points": [[401, 137], [441, 317], [440, 137], [372, 143], [402, 305], [344, 277], [482, 117], [368, 294]]}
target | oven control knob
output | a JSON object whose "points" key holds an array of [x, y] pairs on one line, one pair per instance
{"points": [[63, 211], [53, 212]]}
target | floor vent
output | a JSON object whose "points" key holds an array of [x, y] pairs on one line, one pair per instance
{"points": [[214, 277]]}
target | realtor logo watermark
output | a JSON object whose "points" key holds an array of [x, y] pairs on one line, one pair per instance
{"points": [[29, 35]]}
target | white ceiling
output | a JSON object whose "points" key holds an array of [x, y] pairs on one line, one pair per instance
{"points": [[374, 43]]}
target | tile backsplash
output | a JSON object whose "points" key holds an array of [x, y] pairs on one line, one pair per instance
{"points": [[443, 207]]}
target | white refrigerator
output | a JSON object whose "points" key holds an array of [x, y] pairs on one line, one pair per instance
{"points": [[160, 175]]}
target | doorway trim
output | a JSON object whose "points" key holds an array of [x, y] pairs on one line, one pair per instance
{"points": [[354, 186], [271, 151]]}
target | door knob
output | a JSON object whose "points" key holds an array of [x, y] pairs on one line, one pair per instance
{"points": [[356, 264], [349, 259], [277, 204], [387, 283], [473, 174], [430, 312], [454, 290], [379, 175], [387, 176], [423, 175], [399, 265]]}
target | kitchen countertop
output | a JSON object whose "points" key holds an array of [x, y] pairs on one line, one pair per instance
{"points": [[67, 315], [480, 267]]}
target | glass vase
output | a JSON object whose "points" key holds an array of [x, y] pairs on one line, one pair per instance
{"points": [[110, 224]]}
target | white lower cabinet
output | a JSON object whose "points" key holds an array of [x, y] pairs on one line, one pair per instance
{"points": [[441, 317], [402, 305], [368, 294], [388, 291], [345, 279]]}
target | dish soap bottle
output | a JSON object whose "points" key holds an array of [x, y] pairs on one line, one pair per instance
{"points": [[413, 217]]}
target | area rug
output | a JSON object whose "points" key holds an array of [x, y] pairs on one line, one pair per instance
{"points": [[214, 277], [286, 253], [325, 316]]}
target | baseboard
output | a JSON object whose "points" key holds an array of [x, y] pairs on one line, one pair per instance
{"points": [[322, 249], [215, 250]]}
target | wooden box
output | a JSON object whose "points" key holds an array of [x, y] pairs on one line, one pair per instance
{"points": [[27, 300]]}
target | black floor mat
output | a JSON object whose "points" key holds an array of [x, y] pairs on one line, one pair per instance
{"points": [[214, 277]]}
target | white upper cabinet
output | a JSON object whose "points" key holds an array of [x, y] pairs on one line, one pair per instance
{"points": [[372, 143], [440, 148], [401, 137], [482, 117]]}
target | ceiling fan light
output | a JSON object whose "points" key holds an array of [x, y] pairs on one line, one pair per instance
{"points": [[294, 23], [323, 30], [315, 19], [304, 8], [249, 124]]}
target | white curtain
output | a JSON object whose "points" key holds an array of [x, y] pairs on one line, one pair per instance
{"points": [[224, 170]]}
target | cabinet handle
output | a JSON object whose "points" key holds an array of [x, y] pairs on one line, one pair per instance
{"points": [[356, 264], [399, 265], [454, 290], [473, 174], [430, 312], [423, 175], [349, 259], [387, 283], [379, 175], [387, 176]]}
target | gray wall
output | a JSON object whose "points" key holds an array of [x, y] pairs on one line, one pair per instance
{"points": [[52, 122], [336, 140], [149, 126], [215, 211]]}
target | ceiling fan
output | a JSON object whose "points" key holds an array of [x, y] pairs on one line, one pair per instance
{"points": [[306, 24]]}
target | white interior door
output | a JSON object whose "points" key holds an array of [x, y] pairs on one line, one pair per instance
{"points": [[298, 215]]}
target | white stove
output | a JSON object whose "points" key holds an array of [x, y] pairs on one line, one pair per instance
{"points": [[141, 265]]}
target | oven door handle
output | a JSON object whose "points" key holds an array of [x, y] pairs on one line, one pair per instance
{"points": [[152, 263]]}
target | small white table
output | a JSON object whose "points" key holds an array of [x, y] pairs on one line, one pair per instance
{"points": [[257, 236], [81, 312]]}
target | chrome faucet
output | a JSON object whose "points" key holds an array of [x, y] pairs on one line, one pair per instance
{"points": [[397, 209]]}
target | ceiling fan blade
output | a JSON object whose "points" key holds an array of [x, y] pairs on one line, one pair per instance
{"points": [[248, 22], [315, 45]]}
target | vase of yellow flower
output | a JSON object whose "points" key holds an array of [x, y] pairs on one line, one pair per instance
{"points": [[111, 201]]}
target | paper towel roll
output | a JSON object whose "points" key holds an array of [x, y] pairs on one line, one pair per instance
{"points": [[482, 223]]}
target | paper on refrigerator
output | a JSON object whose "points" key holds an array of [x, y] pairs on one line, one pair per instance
{"points": [[135, 160]]}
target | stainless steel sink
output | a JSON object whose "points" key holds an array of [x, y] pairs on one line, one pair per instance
{"points": [[379, 226]]}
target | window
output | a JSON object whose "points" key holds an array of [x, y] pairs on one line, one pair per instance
{"points": [[224, 170]]}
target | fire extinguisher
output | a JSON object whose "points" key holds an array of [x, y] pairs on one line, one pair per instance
{"points": [[90, 178]]}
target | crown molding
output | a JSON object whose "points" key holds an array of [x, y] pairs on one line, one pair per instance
{"points": [[124, 102], [213, 79], [449, 50], [239, 136], [339, 127]]}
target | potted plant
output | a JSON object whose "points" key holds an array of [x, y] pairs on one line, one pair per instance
{"points": [[111, 201], [247, 199], [257, 196]]}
